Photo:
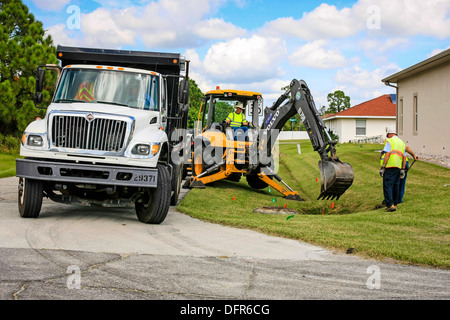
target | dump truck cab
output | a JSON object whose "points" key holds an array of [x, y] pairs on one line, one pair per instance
{"points": [[111, 135]]}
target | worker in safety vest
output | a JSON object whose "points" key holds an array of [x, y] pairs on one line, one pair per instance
{"points": [[237, 120], [402, 181], [86, 92], [393, 169]]}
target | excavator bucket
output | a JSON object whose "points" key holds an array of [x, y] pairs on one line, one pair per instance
{"points": [[336, 178]]}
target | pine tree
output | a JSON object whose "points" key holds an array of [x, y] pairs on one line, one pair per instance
{"points": [[23, 47]]}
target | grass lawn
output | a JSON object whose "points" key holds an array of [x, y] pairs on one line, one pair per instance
{"points": [[8, 164], [417, 233]]}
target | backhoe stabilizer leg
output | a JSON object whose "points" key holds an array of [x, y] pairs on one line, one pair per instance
{"points": [[288, 194]]}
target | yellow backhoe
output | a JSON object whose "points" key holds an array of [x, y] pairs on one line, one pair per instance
{"points": [[221, 152]]}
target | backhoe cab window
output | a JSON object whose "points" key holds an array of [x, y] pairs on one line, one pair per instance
{"points": [[129, 89], [220, 110]]}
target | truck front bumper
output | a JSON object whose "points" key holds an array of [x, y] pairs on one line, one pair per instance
{"points": [[64, 172]]}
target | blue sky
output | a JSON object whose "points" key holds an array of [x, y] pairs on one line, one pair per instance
{"points": [[261, 45]]}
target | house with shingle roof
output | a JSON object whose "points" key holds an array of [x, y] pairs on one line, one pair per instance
{"points": [[366, 120]]}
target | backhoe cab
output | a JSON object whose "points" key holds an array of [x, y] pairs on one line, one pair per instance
{"points": [[218, 154]]}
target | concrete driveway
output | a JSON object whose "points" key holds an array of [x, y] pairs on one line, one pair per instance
{"points": [[87, 253]]}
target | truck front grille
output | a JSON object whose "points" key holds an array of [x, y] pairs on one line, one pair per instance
{"points": [[78, 132]]}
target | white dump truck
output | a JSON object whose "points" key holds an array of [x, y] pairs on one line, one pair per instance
{"points": [[112, 135]]}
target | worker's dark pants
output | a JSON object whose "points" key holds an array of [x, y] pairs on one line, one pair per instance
{"points": [[240, 132], [391, 186]]}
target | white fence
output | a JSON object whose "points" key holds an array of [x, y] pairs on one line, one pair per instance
{"points": [[293, 135]]}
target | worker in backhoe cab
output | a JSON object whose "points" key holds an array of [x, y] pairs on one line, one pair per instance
{"points": [[393, 169], [237, 120]]}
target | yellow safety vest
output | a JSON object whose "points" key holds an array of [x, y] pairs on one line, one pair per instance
{"points": [[236, 119], [397, 153], [86, 92], [382, 159]]}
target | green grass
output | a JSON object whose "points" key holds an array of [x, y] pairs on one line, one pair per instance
{"points": [[417, 233], [8, 164]]}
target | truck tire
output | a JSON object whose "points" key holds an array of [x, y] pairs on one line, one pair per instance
{"points": [[30, 197], [176, 183], [152, 208]]}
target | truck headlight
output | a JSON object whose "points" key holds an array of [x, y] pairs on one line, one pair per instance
{"points": [[142, 149], [35, 141], [145, 149]]}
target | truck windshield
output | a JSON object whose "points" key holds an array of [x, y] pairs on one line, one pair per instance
{"points": [[130, 89]]}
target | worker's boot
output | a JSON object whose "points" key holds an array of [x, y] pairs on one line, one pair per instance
{"points": [[391, 208]]}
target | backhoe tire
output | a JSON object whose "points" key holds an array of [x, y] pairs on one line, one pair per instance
{"points": [[198, 164], [153, 207], [30, 195], [255, 182]]}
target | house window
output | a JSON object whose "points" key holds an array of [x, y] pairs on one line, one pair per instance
{"points": [[415, 114], [360, 127], [400, 116]]}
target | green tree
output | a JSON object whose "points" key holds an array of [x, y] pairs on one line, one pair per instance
{"points": [[338, 101], [23, 47], [195, 98]]}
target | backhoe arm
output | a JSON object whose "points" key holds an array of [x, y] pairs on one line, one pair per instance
{"points": [[336, 176]]}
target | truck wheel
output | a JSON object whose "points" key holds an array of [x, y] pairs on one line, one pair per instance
{"points": [[30, 197], [176, 183], [255, 182], [152, 208]]}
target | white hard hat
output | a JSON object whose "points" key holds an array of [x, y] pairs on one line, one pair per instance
{"points": [[239, 105], [391, 130]]}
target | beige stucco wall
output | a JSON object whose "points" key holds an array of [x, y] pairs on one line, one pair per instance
{"points": [[433, 93], [345, 128]]}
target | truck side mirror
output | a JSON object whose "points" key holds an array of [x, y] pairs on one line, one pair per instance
{"points": [[183, 92], [40, 76], [37, 98]]}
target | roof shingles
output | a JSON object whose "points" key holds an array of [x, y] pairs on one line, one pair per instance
{"points": [[378, 107]]}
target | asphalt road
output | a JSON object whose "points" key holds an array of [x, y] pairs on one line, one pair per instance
{"points": [[86, 253]]}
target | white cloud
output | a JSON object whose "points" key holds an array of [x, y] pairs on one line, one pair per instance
{"points": [[437, 51], [108, 33], [409, 17], [324, 22], [214, 29], [397, 19], [245, 59], [313, 55], [158, 24], [362, 84]]}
